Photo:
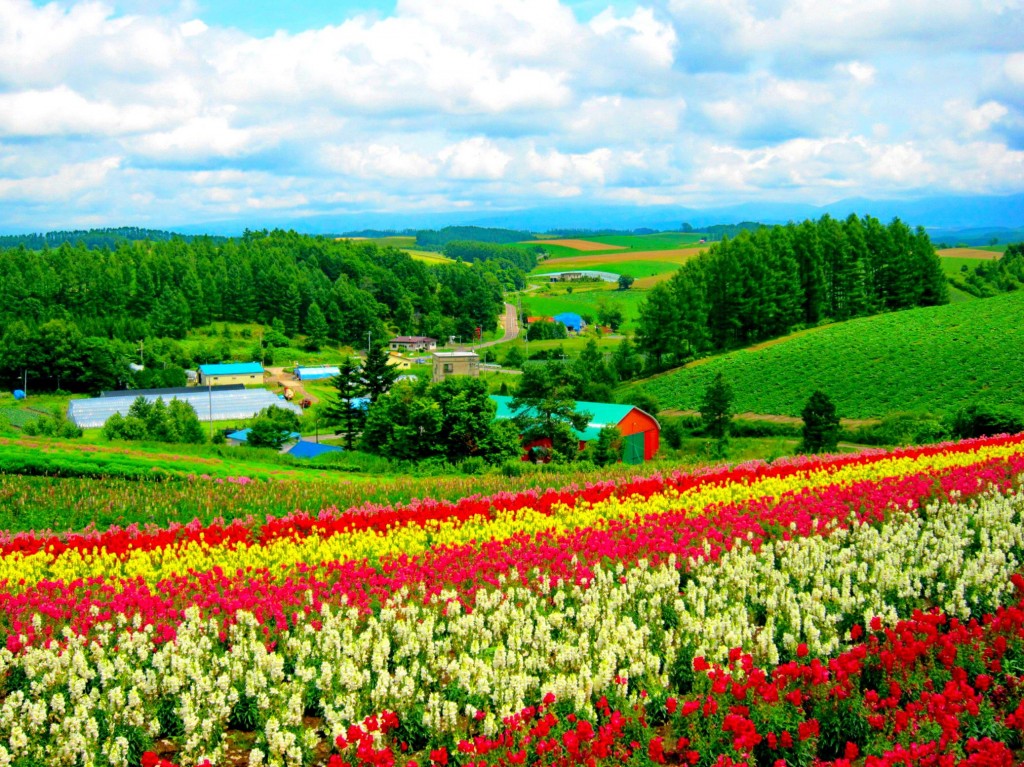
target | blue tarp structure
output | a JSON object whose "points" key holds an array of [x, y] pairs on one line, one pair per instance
{"points": [[243, 435], [571, 320], [304, 449], [316, 373]]}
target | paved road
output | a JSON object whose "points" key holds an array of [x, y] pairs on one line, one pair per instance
{"points": [[511, 322]]}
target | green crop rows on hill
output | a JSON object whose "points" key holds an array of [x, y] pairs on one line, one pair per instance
{"points": [[934, 359]]}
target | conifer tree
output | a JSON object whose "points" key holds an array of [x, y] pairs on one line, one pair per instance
{"points": [[821, 425], [344, 409], [378, 375]]}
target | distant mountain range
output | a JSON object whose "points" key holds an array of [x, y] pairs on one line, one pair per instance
{"points": [[943, 215], [970, 220]]}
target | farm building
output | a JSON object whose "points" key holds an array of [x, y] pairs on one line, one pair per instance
{"points": [[531, 320], [226, 405], [316, 373], [231, 373], [396, 360], [640, 430], [412, 344], [455, 364], [571, 320], [305, 449]]}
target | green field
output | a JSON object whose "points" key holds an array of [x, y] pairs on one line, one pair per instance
{"points": [[584, 301], [935, 359]]}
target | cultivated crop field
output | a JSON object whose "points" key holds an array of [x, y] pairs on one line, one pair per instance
{"points": [[933, 359], [813, 610]]}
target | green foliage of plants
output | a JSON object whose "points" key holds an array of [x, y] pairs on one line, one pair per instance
{"points": [[933, 359]]}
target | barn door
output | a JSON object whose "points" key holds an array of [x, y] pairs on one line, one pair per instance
{"points": [[633, 450]]}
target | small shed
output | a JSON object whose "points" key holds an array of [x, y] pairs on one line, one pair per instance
{"points": [[571, 320], [455, 364]]}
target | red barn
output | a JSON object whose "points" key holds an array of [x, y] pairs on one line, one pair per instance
{"points": [[640, 430]]}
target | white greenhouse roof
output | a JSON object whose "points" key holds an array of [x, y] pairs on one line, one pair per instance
{"points": [[227, 405]]}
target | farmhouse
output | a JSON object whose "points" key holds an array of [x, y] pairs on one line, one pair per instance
{"points": [[455, 364], [640, 430], [412, 344], [231, 373]]}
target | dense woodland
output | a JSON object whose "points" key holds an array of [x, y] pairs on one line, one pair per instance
{"points": [[769, 281], [70, 312]]}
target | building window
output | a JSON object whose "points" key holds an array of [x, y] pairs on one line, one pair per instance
{"points": [[449, 367]]}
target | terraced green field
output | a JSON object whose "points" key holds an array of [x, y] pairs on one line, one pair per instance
{"points": [[935, 359]]}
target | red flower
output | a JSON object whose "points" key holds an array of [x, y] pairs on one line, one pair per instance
{"points": [[808, 729], [801, 650], [671, 704], [439, 756]]}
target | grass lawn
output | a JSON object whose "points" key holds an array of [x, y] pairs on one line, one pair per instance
{"points": [[935, 359]]}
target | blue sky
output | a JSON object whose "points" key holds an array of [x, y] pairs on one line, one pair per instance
{"points": [[160, 113]]}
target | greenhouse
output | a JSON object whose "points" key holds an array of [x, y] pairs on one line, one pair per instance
{"points": [[226, 405]]}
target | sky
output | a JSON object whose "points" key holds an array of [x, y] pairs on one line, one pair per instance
{"points": [[158, 114]]}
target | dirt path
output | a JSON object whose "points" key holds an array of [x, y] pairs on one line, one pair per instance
{"points": [[511, 323], [277, 377], [849, 423]]}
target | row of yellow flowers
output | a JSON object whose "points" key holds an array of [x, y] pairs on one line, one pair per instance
{"points": [[21, 570]]}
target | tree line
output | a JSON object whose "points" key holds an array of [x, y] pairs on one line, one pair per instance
{"points": [[99, 300], [769, 281]]}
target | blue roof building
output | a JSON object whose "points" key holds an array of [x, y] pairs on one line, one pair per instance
{"points": [[571, 320], [304, 449]]}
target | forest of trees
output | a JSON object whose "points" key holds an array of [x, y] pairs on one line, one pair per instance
{"points": [[69, 313], [769, 281], [989, 278]]}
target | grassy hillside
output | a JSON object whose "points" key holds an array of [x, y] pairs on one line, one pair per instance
{"points": [[935, 359]]}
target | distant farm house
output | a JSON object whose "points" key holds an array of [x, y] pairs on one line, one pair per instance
{"points": [[567, 277], [447, 364], [412, 344]]}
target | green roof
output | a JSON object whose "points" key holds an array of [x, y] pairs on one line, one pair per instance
{"points": [[601, 414]]}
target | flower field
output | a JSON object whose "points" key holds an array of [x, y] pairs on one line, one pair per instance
{"points": [[850, 610]]}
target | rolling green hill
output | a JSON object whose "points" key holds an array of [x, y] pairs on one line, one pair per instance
{"points": [[933, 359]]}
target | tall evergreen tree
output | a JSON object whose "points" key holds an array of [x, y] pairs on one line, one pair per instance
{"points": [[716, 408], [344, 408], [378, 374], [821, 425]]}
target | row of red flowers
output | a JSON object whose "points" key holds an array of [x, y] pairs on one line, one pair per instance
{"points": [[275, 597], [930, 691], [332, 520]]}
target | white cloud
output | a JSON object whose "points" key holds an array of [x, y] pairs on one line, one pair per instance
{"points": [[1014, 67], [491, 105], [63, 185], [859, 71], [475, 158], [978, 119], [379, 160]]}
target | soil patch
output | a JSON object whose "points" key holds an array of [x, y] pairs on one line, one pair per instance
{"points": [[983, 255]]}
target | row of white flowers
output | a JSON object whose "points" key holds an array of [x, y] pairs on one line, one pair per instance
{"points": [[86, 702]]}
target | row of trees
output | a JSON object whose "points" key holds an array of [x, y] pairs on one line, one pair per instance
{"points": [[333, 291], [821, 421], [768, 281]]}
